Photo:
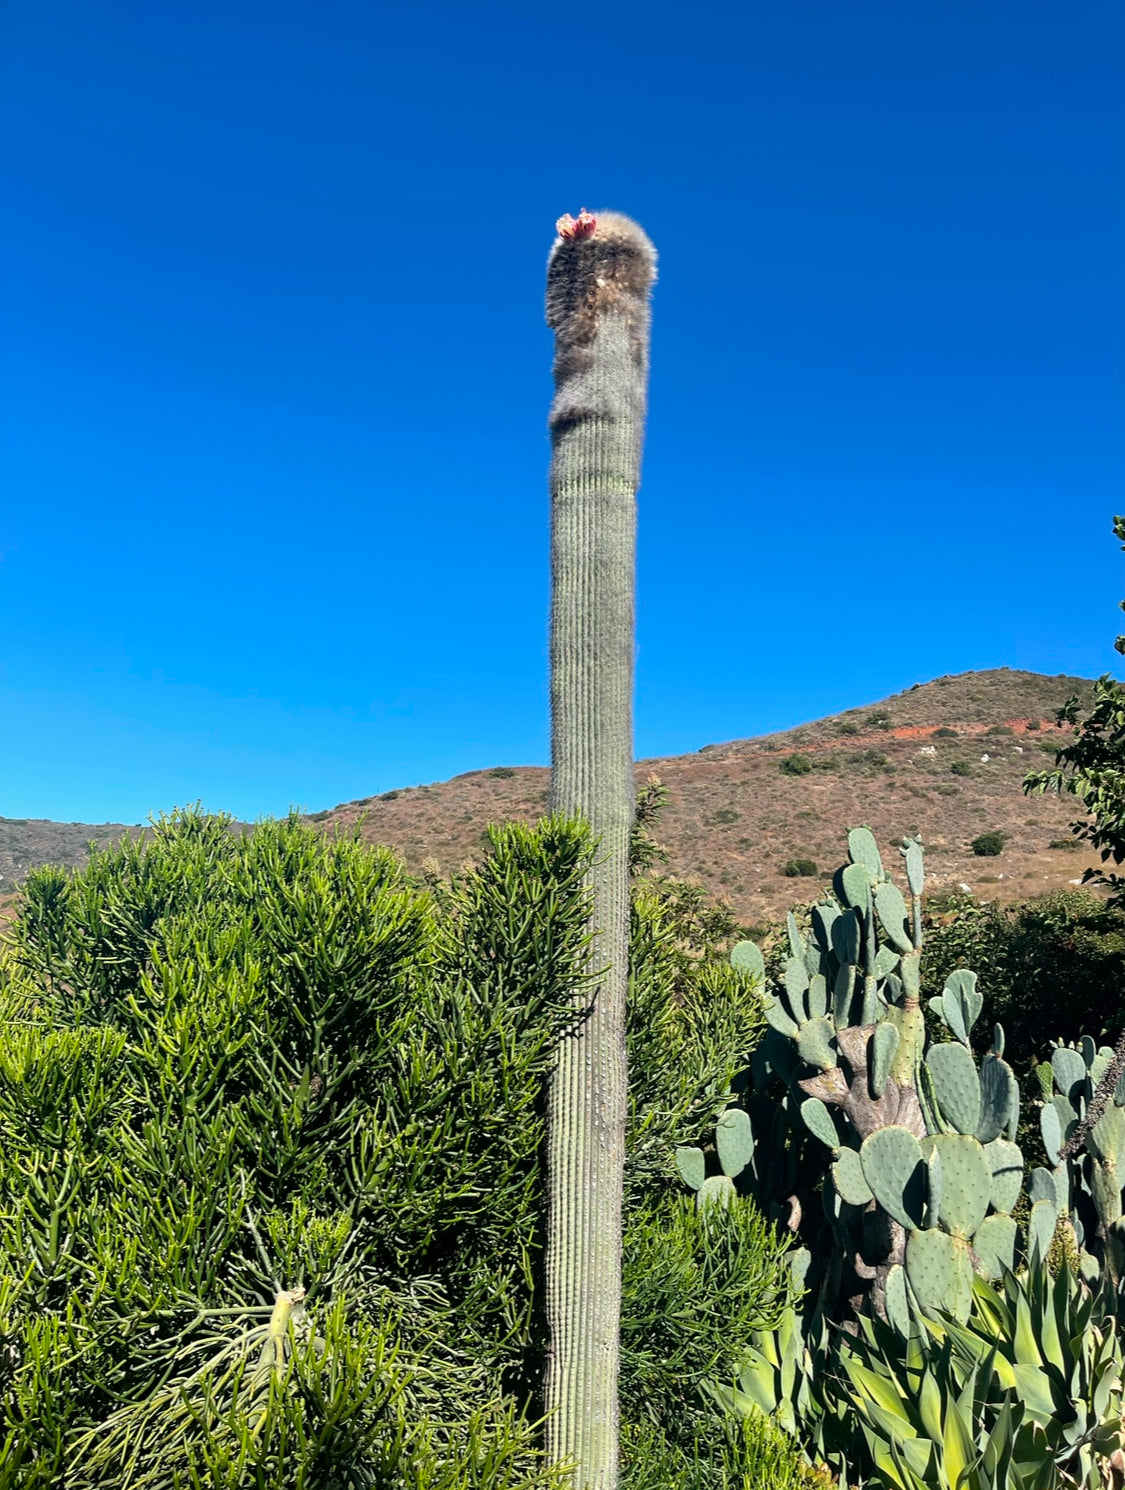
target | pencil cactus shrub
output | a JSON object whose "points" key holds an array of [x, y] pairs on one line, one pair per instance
{"points": [[599, 278], [911, 1149]]}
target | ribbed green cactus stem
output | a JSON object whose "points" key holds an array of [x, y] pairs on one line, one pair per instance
{"points": [[599, 278]]}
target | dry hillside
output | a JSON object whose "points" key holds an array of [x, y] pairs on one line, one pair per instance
{"points": [[944, 759]]}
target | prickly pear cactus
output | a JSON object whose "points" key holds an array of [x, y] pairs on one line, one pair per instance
{"points": [[912, 1150], [1089, 1184]]}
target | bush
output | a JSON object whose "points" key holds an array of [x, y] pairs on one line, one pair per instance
{"points": [[1051, 969], [795, 765], [880, 719], [501, 773], [999, 729], [1033, 724], [290, 1082], [800, 869], [1065, 843], [726, 815], [945, 733], [961, 768], [988, 845], [849, 727]]}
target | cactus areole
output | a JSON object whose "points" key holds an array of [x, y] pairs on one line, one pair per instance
{"points": [[599, 277]]}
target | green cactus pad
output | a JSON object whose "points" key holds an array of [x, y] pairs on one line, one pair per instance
{"points": [[966, 1181], [956, 1085], [1105, 1187], [842, 994], [847, 1176], [1051, 1130], [1119, 1091], [796, 940], [817, 996], [911, 969], [881, 1051], [1041, 1227], [961, 1003], [1088, 1048], [862, 849], [940, 1272], [816, 1041], [856, 886], [718, 1190], [747, 958], [933, 1185], [845, 937], [999, 1098], [896, 1173], [995, 1245], [1070, 1071], [897, 1302], [1107, 1136], [778, 1017], [1042, 1186], [891, 910], [886, 960], [822, 918], [927, 1100], [818, 1120], [1006, 1163], [734, 1139], [796, 986], [692, 1164], [915, 869]]}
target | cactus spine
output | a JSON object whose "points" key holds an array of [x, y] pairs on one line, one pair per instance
{"points": [[599, 277]]}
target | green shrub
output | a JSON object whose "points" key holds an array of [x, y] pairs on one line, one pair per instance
{"points": [[880, 719], [274, 1063], [988, 845], [961, 768], [795, 765], [726, 815], [1033, 724], [945, 733], [826, 763], [502, 772], [849, 727], [389, 796], [800, 869], [999, 729], [1065, 843], [1051, 969]]}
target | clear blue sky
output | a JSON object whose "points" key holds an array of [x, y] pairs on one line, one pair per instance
{"points": [[273, 516]]}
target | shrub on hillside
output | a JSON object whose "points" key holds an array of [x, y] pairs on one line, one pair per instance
{"points": [[944, 733], [961, 768], [800, 869], [988, 845], [795, 765]]}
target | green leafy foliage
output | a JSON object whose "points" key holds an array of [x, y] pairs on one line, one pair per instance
{"points": [[800, 869], [271, 1176]]}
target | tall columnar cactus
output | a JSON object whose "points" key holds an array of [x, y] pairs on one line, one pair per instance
{"points": [[911, 1150], [599, 277]]}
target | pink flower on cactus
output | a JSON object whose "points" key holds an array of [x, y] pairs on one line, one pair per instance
{"points": [[581, 226]]}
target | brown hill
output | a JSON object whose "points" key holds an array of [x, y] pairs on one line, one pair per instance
{"points": [[944, 759], [739, 812]]}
